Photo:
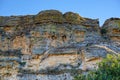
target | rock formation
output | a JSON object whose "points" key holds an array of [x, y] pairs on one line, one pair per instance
{"points": [[112, 28], [54, 46]]}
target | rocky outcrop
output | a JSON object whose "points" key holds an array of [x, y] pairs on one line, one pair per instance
{"points": [[111, 28], [54, 46], [49, 16]]}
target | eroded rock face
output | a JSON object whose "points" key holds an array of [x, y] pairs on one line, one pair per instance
{"points": [[49, 16], [52, 45], [43, 37], [112, 27]]}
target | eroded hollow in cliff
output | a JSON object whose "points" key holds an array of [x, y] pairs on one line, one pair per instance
{"points": [[80, 35], [53, 37], [64, 38]]}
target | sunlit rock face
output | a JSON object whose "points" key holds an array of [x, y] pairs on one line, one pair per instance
{"points": [[34, 34], [53, 46], [112, 27]]}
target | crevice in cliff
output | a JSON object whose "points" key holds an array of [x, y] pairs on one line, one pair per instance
{"points": [[45, 55]]}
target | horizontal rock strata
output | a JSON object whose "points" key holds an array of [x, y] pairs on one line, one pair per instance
{"points": [[54, 46]]}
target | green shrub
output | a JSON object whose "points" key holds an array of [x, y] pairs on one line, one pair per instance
{"points": [[109, 69], [23, 63], [103, 31]]}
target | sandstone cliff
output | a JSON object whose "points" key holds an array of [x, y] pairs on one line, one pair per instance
{"points": [[112, 28], [54, 46]]}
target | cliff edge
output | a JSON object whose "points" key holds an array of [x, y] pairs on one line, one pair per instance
{"points": [[54, 46]]}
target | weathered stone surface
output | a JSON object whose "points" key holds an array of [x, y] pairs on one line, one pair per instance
{"points": [[112, 27], [54, 46], [49, 16], [73, 18]]}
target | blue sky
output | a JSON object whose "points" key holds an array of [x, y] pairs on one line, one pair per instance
{"points": [[102, 9]]}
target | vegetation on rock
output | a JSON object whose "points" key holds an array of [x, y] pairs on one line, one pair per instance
{"points": [[103, 31], [109, 69], [22, 63], [52, 43]]}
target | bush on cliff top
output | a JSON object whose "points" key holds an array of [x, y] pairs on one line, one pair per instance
{"points": [[109, 69]]}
